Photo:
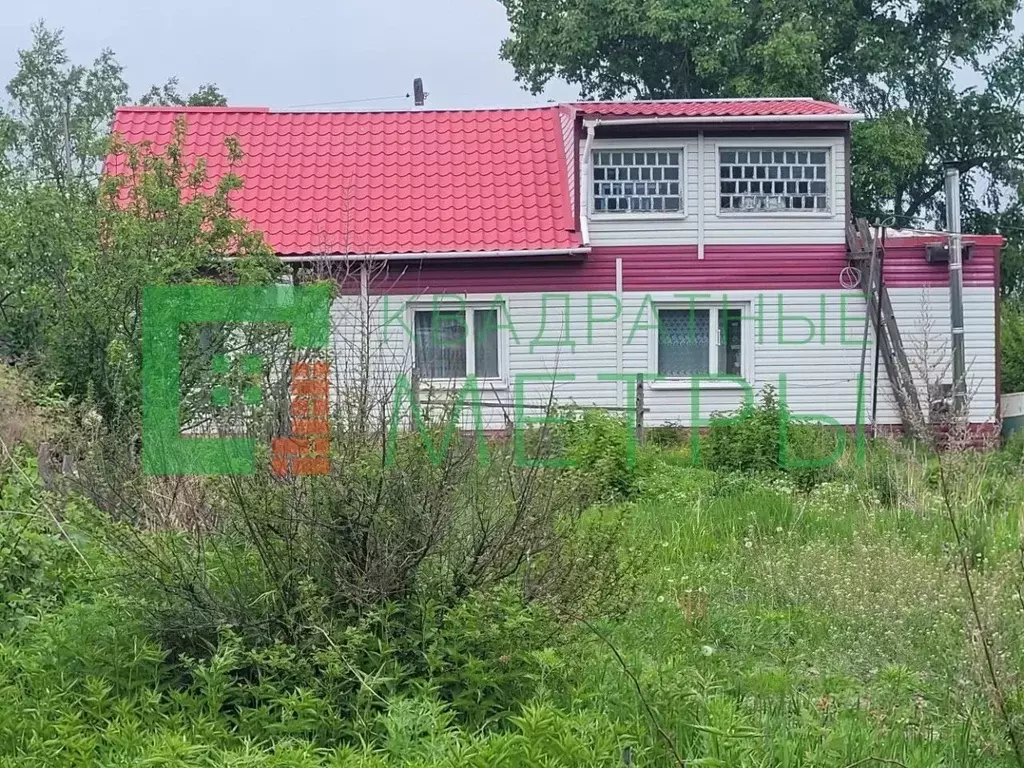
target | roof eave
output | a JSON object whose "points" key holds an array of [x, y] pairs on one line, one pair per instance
{"points": [[413, 256], [847, 117]]}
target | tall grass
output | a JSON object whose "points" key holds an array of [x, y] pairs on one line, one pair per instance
{"points": [[776, 626]]}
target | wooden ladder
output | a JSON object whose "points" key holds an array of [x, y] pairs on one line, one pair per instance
{"points": [[865, 251]]}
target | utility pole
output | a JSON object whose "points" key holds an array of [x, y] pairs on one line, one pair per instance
{"points": [[956, 287]]}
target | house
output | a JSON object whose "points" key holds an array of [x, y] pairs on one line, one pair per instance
{"points": [[558, 251]]}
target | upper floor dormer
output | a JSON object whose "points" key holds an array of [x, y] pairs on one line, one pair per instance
{"points": [[713, 172]]}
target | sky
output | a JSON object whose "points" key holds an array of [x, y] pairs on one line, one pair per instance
{"points": [[291, 53]]}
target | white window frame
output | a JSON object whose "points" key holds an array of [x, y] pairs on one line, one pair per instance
{"points": [[468, 307], [635, 145], [761, 144], [686, 382]]}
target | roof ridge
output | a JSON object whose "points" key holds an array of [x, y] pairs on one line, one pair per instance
{"points": [[575, 105], [737, 99], [414, 111]]}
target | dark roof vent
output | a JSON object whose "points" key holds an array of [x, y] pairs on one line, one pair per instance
{"points": [[938, 253]]}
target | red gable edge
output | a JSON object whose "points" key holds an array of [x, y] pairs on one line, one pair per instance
{"points": [[411, 182]]}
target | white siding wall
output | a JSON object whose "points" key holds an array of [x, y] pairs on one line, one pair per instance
{"points": [[701, 192], [923, 316], [821, 372]]}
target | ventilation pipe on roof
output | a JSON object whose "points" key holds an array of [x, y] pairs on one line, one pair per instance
{"points": [[418, 94], [956, 287], [587, 186]]}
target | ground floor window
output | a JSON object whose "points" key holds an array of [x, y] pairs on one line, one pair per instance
{"points": [[456, 343], [699, 341]]}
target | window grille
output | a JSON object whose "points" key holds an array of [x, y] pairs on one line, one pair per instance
{"points": [[699, 342], [770, 180], [638, 181]]}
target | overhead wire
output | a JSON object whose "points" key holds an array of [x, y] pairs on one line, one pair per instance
{"points": [[350, 101]]}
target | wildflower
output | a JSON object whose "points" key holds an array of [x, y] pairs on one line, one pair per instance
{"points": [[92, 419]]}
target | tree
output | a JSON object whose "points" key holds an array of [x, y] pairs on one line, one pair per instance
{"points": [[81, 269], [208, 95], [1012, 336], [76, 250], [61, 112]]}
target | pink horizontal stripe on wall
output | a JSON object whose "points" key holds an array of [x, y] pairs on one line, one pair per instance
{"points": [[677, 268], [593, 273], [732, 267], [906, 266]]}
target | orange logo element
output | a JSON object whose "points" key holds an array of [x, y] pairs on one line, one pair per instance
{"points": [[308, 450]]}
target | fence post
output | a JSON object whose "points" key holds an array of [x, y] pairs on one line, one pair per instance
{"points": [[639, 409], [414, 397]]}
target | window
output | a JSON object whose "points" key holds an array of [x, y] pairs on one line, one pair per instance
{"points": [[700, 341], [456, 343], [775, 179], [635, 181]]}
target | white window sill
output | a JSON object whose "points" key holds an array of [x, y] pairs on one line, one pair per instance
{"points": [[483, 385], [627, 216], [780, 214], [687, 384]]}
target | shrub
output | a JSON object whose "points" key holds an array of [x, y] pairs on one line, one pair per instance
{"points": [[598, 445], [38, 561], [20, 420], [748, 440], [763, 439], [1011, 337], [407, 567], [482, 656]]}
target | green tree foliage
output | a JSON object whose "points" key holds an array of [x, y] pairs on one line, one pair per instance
{"points": [[60, 112], [76, 249], [168, 95], [1012, 339]]}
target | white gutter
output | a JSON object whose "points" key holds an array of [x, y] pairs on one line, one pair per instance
{"points": [[585, 187], [619, 296], [700, 194], [844, 118], [436, 255]]}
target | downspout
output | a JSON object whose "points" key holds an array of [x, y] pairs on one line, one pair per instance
{"points": [[956, 288], [618, 333], [700, 193], [588, 126]]}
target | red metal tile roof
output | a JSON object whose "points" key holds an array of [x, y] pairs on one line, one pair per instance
{"points": [[716, 108], [424, 181], [384, 182]]}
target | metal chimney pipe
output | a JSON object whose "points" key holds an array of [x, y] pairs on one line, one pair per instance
{"points": [[956, 287]]}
